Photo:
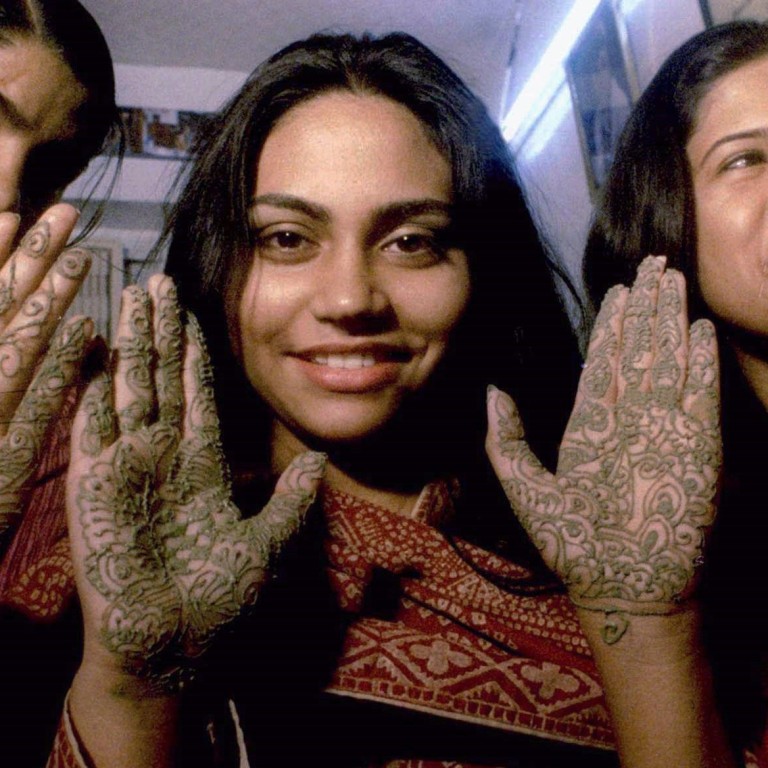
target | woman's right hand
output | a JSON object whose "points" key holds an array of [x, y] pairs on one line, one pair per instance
{"points": [[163, 560], [39, 278]]}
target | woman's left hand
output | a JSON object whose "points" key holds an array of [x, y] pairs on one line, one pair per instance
{"points": [[39, 278], [622, 521]]}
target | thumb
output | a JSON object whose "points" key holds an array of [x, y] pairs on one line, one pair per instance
{"points": [[525, 480], [282, 518]]}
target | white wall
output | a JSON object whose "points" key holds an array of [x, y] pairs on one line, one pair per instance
{"points": [[135, 213], [549, 157]]}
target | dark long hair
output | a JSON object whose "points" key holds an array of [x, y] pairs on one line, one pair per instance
{"points": [[515, 335], [67, 28], [647, 206]]}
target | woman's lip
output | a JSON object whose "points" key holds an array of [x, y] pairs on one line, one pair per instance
{"points": [[354, 374]]}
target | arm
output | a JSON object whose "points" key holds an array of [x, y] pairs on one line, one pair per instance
{"points": [[658, 687], [163, 561], [622, 522]]}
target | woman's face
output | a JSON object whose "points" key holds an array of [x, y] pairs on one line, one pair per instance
{"points": [[728, 155], [356, 284], [38, 98]]}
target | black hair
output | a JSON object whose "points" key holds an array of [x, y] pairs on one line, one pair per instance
{"points": [[647, 205], [69, 30], [515, 334]]}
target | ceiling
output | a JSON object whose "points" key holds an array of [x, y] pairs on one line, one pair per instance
{"points": [[474, 36]]}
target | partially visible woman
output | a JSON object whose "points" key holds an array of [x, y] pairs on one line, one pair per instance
{"points": [[690, 180], [57, 111], [58, 101]]}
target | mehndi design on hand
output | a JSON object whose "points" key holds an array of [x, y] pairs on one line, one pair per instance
{"points": [[37, 283], [623, 520], [167, 562], [23, 443]]}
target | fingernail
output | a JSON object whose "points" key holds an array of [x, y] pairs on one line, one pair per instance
{"points": [[316, 461]]}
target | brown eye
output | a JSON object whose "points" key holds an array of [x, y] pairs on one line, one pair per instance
{"points": [[286, 240], [284, 245], [745, 160], [413, 243]]}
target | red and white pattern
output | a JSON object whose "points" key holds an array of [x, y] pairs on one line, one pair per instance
{"points": [[458, 645]]}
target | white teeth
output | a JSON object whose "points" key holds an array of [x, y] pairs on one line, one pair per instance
{"points": [[345, 361]]}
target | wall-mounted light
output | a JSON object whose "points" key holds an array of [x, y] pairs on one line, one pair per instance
{"points": [[548, 76]]}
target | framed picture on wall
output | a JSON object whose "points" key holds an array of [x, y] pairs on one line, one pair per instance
{"points": [[603, 82], [720, 11], [162, 133]]}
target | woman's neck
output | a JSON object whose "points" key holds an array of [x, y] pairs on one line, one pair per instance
{"points": [[369, 486]]}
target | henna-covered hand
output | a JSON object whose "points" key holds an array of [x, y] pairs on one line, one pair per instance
{"points": [[623, 520], [164, 560], [38, 280]]}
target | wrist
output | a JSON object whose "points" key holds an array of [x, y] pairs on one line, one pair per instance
{"points": [[121, 722], [662, 640]]}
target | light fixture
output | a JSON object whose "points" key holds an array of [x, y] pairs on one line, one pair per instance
{"points": [[548, 76]]}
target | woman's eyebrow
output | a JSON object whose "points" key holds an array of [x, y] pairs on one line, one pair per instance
{"points": [[756, 133], [385, 216], [292, 203], [393, 214]]}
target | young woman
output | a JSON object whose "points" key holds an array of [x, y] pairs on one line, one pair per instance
{"points": [[356, 247], [57, 110], [690, 180], [58, 101]]}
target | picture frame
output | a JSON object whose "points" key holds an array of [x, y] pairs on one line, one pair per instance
{"points": [[161, 133], [721, 11], [602, 78]]}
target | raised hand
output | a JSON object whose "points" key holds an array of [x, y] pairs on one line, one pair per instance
{"points": [[164, 561], [623, 520], [38, 280]]}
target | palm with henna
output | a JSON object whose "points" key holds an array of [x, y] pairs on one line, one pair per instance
{"points": [[39, 277], [163, 560], [622, 521]]}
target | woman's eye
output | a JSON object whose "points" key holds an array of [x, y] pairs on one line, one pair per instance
{"points": [[282, 244], [416, 249], [745, 160], [284, 240]]}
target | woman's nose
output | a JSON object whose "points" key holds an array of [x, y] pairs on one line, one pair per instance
{"points": [[348, 290]]}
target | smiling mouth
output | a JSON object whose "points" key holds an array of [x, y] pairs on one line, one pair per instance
{"points": [[348, 362], [354, 371]]}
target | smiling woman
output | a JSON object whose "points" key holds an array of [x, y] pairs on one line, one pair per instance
{"points": [[728, 152], [690, 181], [354, 241], [355, 290]]}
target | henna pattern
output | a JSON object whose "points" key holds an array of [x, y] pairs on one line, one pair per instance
{"points": [[623, 520], [23, 443], [34, 295], [166, 551], [37, 240], [39, 312], [7, 296]]}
